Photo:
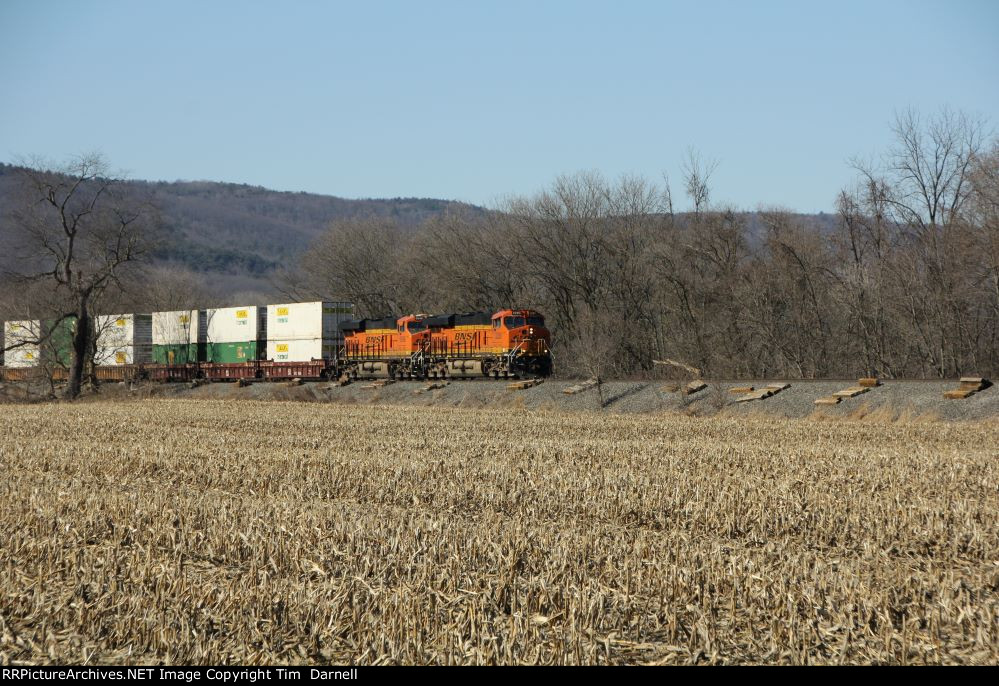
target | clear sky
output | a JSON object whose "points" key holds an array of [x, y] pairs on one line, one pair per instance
{"points": [[479, 99]]}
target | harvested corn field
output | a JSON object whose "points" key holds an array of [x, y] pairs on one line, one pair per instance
{"points": [[200, 531]]}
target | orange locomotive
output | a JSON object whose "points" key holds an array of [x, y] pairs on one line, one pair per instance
{"points": [[509, 343], [386, 347]]}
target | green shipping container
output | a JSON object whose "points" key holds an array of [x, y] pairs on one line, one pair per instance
{"points": [[179, 353], [230, 353], [59, 347]]}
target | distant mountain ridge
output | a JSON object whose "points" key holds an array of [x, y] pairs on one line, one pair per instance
{"points": [[238, 235]]}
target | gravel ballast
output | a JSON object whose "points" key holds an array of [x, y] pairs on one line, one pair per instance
{"points": [[891, 401]]}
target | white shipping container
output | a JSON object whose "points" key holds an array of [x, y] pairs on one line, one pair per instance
{"points": [[124, 339], [114, 356], [236, 324], [16, 334], [305, 321], [179, 327], [302, 350]]}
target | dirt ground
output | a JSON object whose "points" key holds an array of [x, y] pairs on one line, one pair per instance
{"points": [[893, 400]]}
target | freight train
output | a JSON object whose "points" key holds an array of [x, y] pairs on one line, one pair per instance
{"points": [[318, 340]]}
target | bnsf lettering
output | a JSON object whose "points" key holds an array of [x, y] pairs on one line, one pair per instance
{"points": [[464, 337]]}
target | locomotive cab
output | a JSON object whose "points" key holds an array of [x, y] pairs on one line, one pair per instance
{"points": [[414, 326], [522, 325], [524, 334]]}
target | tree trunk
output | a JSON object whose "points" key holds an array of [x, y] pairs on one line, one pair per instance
{"points": [[81, 347]]}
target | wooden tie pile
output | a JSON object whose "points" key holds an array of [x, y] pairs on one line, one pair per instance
{"points": [[521, 385], [381, 383], [863, 386], [763, 393], [580, 387], [694, 387], [431, 387], [688, 389], [969, 386]]}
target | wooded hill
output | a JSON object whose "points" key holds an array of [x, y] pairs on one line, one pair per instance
{"points": [[238, 236]]}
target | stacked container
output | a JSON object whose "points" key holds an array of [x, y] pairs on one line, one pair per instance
{"points": [[302, 332], [124, 339], [59, 345], [179, 337], [236, 334], [25, 336]]}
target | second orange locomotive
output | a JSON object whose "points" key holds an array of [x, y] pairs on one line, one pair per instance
{"points": [[508, 343]]}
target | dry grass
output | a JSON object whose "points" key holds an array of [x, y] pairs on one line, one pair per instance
{"points": [[868, 412], [202, 532]]}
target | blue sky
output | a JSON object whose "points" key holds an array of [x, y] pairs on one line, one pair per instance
{"points": [[476, 100]]}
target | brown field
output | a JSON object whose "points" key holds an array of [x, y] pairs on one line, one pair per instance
{"points": [[190, 531]]}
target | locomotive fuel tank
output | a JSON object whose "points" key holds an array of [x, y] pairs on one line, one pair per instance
{"points": [[464, 368], [375, 370]]}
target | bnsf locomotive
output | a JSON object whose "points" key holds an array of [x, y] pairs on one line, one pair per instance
{"points": [[509, 343]]}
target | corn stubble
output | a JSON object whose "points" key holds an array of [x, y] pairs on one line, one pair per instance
{"points": [[205, 532]]}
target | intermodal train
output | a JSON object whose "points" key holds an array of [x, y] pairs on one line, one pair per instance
{"points": [[294, 340]]}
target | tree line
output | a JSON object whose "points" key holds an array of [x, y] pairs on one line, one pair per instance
{"points": [[902, 282]]}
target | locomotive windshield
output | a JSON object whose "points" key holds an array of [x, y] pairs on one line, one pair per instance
{"points": [[516, 322], [417, 326]]}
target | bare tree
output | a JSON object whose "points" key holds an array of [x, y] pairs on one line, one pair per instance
{"points": [[364, 261], [468, 262], [982, 217], [697, 174], [78, 233], [595, 346], [928, 168], [798, 267], [915, 198], [166, 288]]}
